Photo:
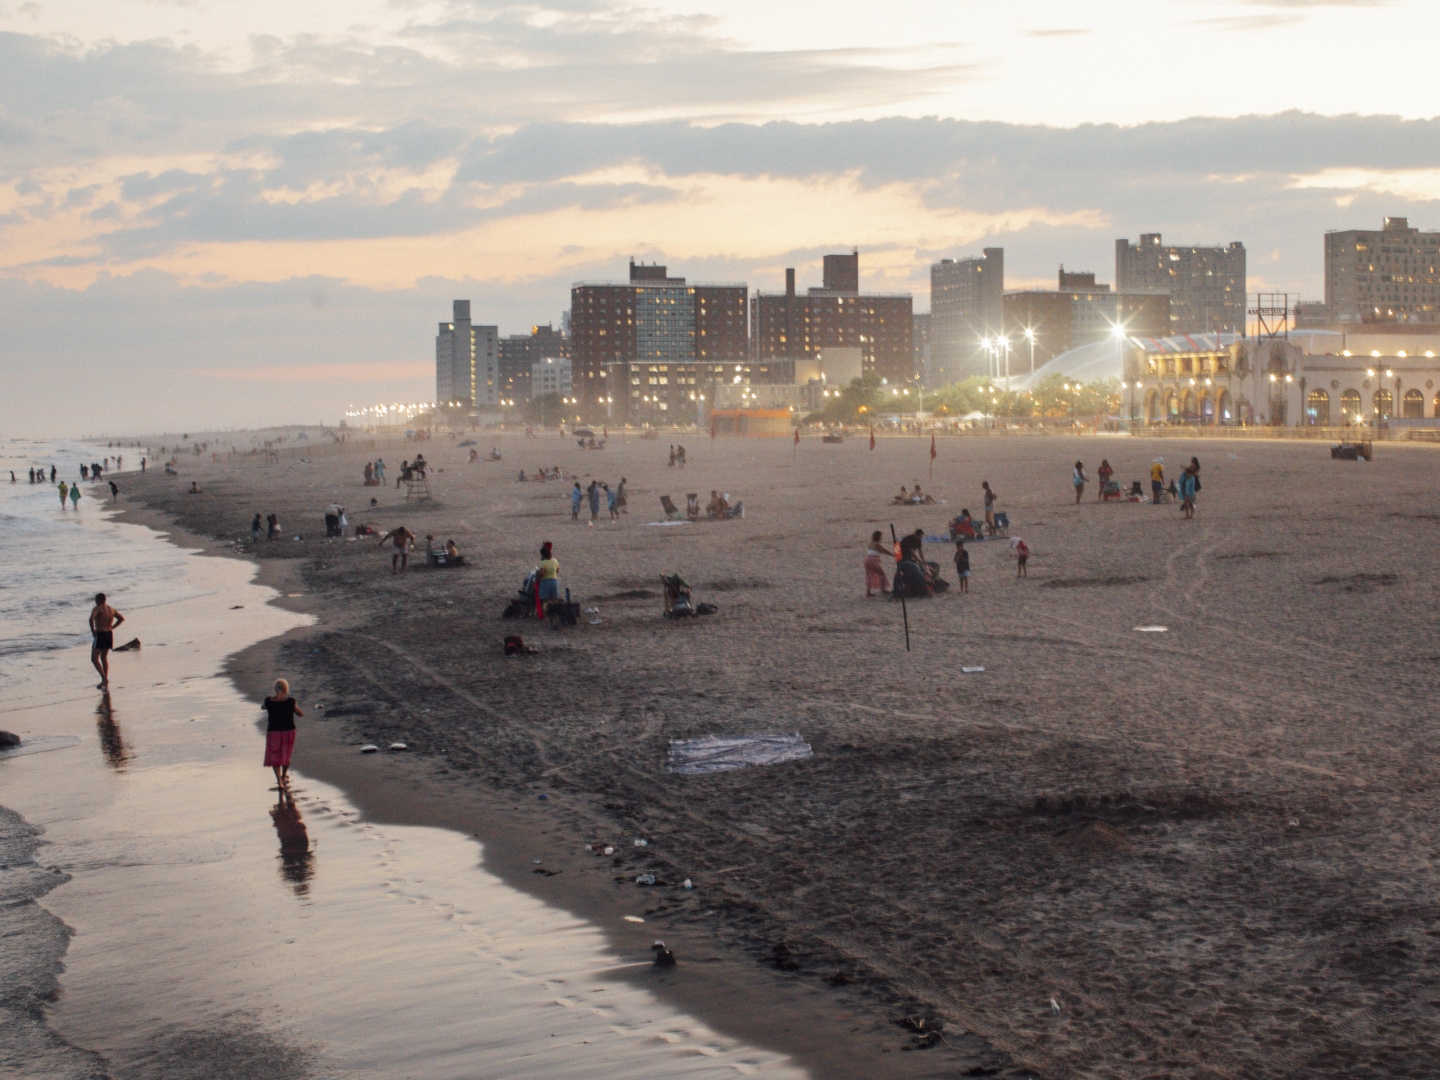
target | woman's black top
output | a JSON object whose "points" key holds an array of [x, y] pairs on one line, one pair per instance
{"points": [[282, 714]]}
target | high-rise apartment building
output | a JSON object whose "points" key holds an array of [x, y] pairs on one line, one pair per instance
{"points": [[790, 326], [551, 375], [518, 353], [1387, 276], [467, 362], [619, 331], [966, 307], [1206, 284], [1044, 323]]}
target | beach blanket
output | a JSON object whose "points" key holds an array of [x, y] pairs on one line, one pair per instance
{"points": [[720, 753], [664, 523]]}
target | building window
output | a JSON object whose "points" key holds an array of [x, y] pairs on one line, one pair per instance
{"points": [[1350, 406], [1384, 404], [1317, 409], [1414, 405]]}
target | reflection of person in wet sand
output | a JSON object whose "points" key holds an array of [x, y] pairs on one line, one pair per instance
{"points": [[297, 862], [103, 621], [112, 742]]}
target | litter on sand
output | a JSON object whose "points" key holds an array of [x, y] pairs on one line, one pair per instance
{"points": [[1152, 629], [645, 879], [369, 748], [972, 670], [633, 918], [398, 746], [720, 753], [664, 523]]}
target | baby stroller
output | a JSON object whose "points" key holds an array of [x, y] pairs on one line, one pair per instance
{"points": [[523, 606]]}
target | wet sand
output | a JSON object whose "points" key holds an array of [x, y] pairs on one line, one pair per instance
{"points": [[217, 929], [1211, 847]]}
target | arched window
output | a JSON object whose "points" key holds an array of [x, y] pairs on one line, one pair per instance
{"points": [[1414, 405], [1172, 405], [1187, 407], [1224, 407], [1317, 409], [1207, 409], [1152, 405], [1384, 403], [1350, 406]]}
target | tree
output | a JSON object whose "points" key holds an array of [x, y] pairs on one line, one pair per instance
{"points": [[863, 399]]}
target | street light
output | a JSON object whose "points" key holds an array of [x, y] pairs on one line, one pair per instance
{"points": [[1030, 337]]}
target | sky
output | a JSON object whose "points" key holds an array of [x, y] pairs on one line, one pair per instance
{"points": [[230, 214]]}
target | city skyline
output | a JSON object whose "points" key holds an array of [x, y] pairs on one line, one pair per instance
{"points": [[271, 201]]}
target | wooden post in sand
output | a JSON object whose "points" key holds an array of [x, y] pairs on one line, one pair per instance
{"points": [[904, 611]]}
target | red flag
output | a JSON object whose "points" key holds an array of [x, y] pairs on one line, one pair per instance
{"points": [[872, 436], [797, 436], [932, 447]]}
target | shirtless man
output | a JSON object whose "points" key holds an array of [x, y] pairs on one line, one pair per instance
{"points": [[403, 539], [103, 621]]}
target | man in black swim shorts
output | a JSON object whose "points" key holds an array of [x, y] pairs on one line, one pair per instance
{"points": [[103, 621]]}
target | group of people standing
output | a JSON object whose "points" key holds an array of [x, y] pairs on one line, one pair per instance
{"points": [[271, 527], [375, 472], [677, 456], [615, 500]]}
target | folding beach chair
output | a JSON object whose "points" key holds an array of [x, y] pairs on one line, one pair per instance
{"points": [[692, 506], [671, 513], [1002, 524]]}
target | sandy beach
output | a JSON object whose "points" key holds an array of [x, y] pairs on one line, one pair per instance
{"points": [[1210, 847]]}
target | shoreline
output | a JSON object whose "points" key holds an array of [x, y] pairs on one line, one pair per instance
{"points": [[838, 1030]]}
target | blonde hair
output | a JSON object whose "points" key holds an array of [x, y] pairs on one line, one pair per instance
{"points": [[281, 686]]}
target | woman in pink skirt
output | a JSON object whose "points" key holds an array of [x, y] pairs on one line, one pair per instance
{"points": [[874, 569], [280, 731]]}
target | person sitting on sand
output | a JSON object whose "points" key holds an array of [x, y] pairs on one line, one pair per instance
{"points": [[963, 527], [919, 497], [522, 476], [715, 508], [474, 455], [494, 453], [402, 539], [452, 553], [194, 488], [903, 497]]}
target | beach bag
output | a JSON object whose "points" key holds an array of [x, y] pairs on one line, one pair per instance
{"points": [[515, 646], [1197, 482]]}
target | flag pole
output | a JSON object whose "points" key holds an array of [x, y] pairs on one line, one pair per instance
{"points": [[904, 611]]}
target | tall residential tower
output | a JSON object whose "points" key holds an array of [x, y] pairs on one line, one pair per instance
{"points": [[467, 362], [1206, 284], [966, 307]]}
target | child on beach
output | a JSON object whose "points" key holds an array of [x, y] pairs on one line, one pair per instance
{"points": [[874, 569], [962, 566], [281, 710], [1022, 555]]}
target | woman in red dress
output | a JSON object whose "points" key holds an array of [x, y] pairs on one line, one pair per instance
{"points": [[280, 731]]}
